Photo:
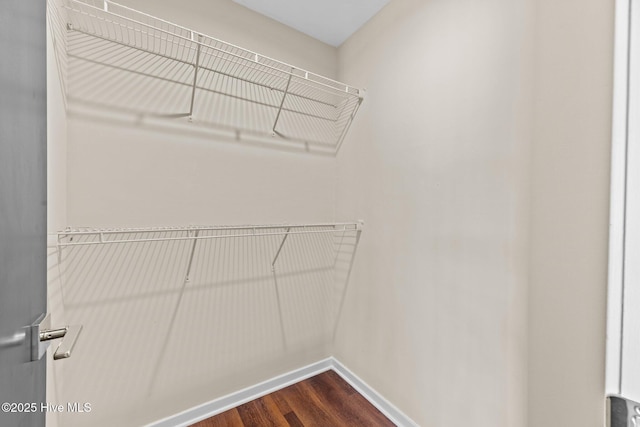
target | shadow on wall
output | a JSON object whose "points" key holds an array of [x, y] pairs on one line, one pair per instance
{"points": [[167, 318], [140, 69]]}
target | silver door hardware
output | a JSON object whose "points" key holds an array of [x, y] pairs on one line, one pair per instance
{"points": [[42, 334], [622, 412]]}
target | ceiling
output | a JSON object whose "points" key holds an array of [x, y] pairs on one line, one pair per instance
{"points": [[330, 21]]}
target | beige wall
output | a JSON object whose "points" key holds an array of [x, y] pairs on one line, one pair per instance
{"points": [[480, 163], [150, 349], [569, 212], [436, 165], [56, 198], [243, 27], [138, 173], [56, 129]]}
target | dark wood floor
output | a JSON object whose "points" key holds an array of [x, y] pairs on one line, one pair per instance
{"points": [[325, 400]]}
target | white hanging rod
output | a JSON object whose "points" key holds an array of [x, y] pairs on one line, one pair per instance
{"points": [[301, 73], [105, 236]]}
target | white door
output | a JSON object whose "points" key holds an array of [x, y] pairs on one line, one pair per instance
{"points": [[623, 328]]}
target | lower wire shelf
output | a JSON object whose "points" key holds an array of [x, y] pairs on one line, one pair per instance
{"points": [[95, 236], [286, 255]]}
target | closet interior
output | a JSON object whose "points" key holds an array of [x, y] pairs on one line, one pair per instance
{"points": [[229, 216], [175, 316]]}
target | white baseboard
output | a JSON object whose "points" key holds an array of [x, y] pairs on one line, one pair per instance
{"points": [[383, 405], [248, 394]]}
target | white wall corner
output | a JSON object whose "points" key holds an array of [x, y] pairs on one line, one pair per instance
{"points": [[389, 410]]}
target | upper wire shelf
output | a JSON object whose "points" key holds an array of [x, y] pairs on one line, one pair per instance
{"points": [[210, 81]]}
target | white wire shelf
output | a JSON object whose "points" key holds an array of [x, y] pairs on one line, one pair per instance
{"points": [[308, 261], [176, 72], [98, 236]]}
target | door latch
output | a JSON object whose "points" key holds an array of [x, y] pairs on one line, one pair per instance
{"points": [[42, 334]]}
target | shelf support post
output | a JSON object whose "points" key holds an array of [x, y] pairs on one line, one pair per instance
{"points": [[286, 90], [275, 282], [193, 251], [346, 281], [195, 75], [273, 264], [349, 121], [163, 352]]}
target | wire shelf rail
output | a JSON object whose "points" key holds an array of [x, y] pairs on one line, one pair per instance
{"points": [[281, 268], [212, 81], [97, 236]]}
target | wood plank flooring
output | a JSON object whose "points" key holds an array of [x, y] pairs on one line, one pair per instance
{"points": [[325, 400]]}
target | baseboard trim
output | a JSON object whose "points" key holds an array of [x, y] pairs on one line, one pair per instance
{"points": [[395, 415], [217, 406]]}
